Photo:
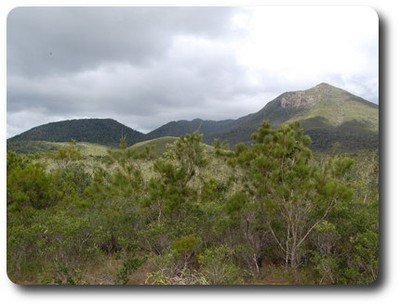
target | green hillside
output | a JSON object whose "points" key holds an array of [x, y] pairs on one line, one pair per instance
{"points": [[338, 107], [158, 145], [32, 147]]}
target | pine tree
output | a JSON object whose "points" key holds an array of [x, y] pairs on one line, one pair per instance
{"points": [[122, 141], [290, 194]]}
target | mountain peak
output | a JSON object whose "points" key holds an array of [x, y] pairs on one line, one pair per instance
{"points": [[312, 96], [325, 88], [323, 85]]}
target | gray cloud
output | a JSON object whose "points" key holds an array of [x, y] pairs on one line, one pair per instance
{"points": [[146, 66], [136, 64], [61, 40]]}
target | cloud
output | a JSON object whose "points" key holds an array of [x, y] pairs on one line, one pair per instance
{"points": [[303, 46], [63, 40], [179, 85], [147, 66]]}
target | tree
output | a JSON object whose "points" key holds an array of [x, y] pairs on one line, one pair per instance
{"points": [[67, 154], [122, 142], [169, 192], [28, 184], [189, 153], [292, 195], [358, 224]]}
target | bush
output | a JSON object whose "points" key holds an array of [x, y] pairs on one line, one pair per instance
{"points": [[28, 184], [218, 268]]}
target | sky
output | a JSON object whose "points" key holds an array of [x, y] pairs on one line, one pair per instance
{"points": [[146, 66]]}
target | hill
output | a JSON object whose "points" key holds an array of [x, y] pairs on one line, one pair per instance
{"points": [[100, 131], [182, 127], [31, 147], [329, 115], [159, 145]]}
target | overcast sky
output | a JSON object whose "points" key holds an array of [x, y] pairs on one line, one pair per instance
{"points": [[145, 67]]}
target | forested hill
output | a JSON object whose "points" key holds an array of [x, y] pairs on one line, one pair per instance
{"points": [[100, 131]]}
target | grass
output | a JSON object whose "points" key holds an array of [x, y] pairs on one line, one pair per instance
{"points": [[159, 145], [279, 275], [34, 147], [91, 149]]}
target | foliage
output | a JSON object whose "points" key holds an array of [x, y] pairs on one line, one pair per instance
{"points": [[195, 216], [218, 267], [28, 184], [290, 195], [129, 265]]}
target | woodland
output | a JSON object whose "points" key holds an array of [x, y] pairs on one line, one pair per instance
{"points": [[269, 212]]}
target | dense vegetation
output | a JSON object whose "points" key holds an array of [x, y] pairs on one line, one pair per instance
{"points": [[269, 213], [100, 131]]}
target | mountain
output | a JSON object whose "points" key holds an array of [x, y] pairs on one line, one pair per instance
{"points": [[328, 114], [101, 131], [178, 128]]}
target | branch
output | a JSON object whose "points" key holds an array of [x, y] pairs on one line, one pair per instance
{"points": [[276, 239], [318, 222]]}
